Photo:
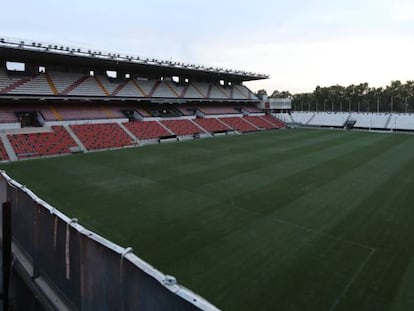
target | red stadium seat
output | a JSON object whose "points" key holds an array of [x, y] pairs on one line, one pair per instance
{"points": [[146, 129], [102, 136], [182, 127], [212, 125], [261, 123], [239, 124], [3, 153], [276, 122], [42, 144]]}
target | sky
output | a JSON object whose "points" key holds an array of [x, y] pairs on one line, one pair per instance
{"points": [[300, 44]]}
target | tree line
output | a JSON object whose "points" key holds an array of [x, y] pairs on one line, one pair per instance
{"points": [[396, 97]]}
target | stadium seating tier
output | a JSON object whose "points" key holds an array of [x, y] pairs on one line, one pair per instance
{"points": [[212, 125], [238, 124], [3, 153], [260, 122], [56, 142], [102, 136], [81, 84], [182, 127], [146, 129], [275, 121]]}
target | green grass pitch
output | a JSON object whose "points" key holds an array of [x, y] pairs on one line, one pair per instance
{"points": [[280, 220]]}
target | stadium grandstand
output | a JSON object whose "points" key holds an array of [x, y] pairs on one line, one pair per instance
{"points": [[380, 121], [58, 100]]}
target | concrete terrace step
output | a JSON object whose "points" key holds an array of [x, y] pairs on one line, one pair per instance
{"points": [[75, 138], [9, 149], [28, 130]]}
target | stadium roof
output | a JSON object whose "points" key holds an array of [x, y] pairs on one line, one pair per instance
{"points": [[22, 50]]}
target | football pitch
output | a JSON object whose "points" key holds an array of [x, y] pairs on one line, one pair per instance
{"points": [[280, 220]]}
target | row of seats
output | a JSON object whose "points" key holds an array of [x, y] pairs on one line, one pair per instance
{"points": [[364, 120], [96, 112], [102, 136], [7, 83], [285, 117], [146, 130], [275, 121], [187, 110], [252, 109], [260, 123], [86, 112], [8, 117], [58, 141], [35, 85], [155, 129], [401, 122], [215, 110], [375, 120], [111, 135], [212, 125], [328, 119], [182, 127], [239, 124], [78, 84], [3, 153]]}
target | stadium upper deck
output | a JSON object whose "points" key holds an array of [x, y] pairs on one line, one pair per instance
{"points": [[53, 71]]}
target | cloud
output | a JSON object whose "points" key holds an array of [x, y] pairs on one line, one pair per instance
{"points": [[299, 43], [403, 10], [301, 66]]}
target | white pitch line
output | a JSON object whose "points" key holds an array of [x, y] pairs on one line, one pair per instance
{"points": [[349, 284], [322, 233], [336, 238]]}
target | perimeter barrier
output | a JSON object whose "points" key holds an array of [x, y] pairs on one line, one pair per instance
{"points": [[77, 269]]}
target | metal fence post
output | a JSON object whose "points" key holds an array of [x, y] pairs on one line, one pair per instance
{"points": [[35, 254], [7, 254]]}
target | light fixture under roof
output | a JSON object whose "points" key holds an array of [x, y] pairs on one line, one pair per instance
{"points": [[54, 48]]}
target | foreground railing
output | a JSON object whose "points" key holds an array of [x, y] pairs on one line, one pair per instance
{"points": [[76, 269]]}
